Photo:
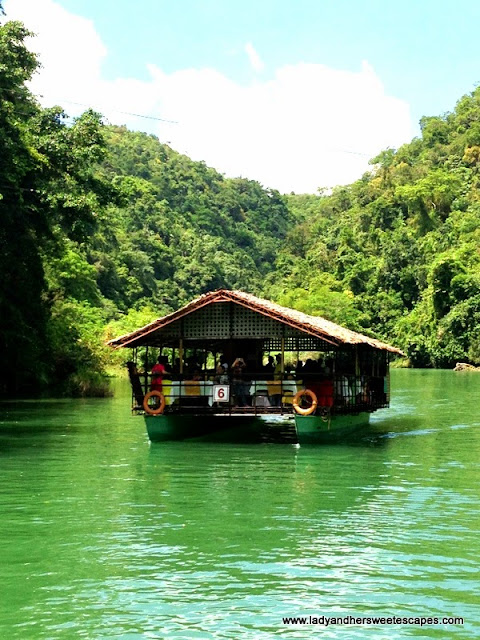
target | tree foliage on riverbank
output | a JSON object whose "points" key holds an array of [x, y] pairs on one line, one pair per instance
{"points": [[182, 229], [49, 199], [100, 224], [397, 251], [102, 227]]}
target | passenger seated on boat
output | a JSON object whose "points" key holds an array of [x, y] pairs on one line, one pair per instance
{"points": [[221, 375], [329, 367], [325, 367], [343, 392], [191, 365], [325, 393], [363, 391], [269, 368], [277, 373], [176, 368], [315, 379], [309, 368], [276, 388], [299, 369], [377, 389], [289, 374], [239, 387], [135, 382], [320, 367], [168, 368], [357, 387]]}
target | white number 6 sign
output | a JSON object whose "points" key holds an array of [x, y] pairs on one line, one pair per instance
{"points": [[221, 393]]}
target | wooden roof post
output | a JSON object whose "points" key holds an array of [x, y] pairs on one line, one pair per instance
{"points": [[180, 355], [146, 369]]}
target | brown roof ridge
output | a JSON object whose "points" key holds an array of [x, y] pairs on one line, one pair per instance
{"points": [[164, 320], [330, 328], [313, 325]]}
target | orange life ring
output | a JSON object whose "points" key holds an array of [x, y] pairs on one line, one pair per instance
{"points": [[296, 402], [158, 410]]}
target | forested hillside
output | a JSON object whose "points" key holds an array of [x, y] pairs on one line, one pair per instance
{"points": [[49, 199], [181, 229], [103, 229], [397, 251], [103, 226]]}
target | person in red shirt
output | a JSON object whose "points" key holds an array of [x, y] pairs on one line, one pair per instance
{"points": [[158, 371]]}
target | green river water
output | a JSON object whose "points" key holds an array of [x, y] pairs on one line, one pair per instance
{"points": [[105, 536]]}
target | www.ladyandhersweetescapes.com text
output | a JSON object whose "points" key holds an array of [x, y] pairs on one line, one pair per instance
{"points": [[327, 621]]}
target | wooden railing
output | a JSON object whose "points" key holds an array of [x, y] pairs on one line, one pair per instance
{"points": [[337, 394]]}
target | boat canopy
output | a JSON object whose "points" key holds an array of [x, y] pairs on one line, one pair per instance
{"points": [[234, 315]]}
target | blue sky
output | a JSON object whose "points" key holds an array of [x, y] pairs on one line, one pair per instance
{"points": [[324, 85]]}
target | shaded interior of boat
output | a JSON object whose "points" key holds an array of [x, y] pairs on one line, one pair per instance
{"points": [[200, 344]]}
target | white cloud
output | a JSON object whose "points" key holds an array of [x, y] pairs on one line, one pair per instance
{"points": [[71, 51], [255, 60], [308, 126]]}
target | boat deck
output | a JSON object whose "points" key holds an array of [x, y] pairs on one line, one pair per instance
{"points": [[338, 395]]}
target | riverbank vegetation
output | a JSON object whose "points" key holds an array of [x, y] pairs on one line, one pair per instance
{"points": [[103, 229], [397, 251]]}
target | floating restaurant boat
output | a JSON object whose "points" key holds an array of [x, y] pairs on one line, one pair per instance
{"points": [[326, 382]]}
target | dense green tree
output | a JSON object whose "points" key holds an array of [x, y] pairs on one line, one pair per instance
{"points": [[403, 240], [105, 227], [182, 229], [48, 193]]}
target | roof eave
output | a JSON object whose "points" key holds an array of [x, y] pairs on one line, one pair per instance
{"points": [[250, 302]]}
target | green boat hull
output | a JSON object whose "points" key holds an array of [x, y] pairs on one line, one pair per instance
{"points": [[312, 429], [219, 428], [252, 429]]}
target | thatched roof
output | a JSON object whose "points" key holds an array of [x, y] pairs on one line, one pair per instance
{"points": [[310, 325]]}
